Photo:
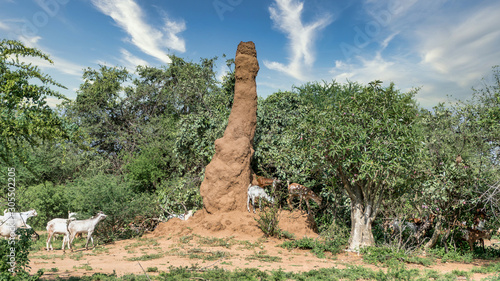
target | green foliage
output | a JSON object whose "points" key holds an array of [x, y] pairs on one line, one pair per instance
{"points": [[363, 139], [177, 195], [26, 118], [117, 199], [87, 196], [268, 220], [332, 240], [49, 200], [14, 258], [391, 256]]}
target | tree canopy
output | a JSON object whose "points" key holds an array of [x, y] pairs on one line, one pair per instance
{"points": [[26, 117]]}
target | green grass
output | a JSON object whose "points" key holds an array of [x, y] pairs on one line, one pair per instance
{"points": [[394, 272], [186, 239], [392, 257], [146, 257], [152, 269], [262, 256], [141, 242], [317, 247], [216, 242], [85, 266]]}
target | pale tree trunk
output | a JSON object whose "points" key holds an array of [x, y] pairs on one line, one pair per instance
{"points": [[361, 226], [437, 231]]}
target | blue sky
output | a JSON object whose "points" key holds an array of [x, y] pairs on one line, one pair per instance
{"points": [[443, 47]]}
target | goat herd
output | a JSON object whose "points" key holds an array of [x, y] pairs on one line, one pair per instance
{"points": [[294, 190], [70, 227]]}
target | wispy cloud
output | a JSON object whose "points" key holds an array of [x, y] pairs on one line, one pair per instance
{"points": [[3, 26], [60, 65], [152, 41], [130, 61], [463, 50], [287, 17], [445, 51]]}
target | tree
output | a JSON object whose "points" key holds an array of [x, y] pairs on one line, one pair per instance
{"points": [[26, 118], [100, 110], [461, 163], [367, 137]]}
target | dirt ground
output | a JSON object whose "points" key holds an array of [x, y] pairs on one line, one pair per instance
{"points": [[204, 246]]}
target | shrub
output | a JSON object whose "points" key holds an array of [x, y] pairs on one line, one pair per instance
{"points": [[47, 199], [128, 213], [391, 257], [269, 218], [177, 193], [17, 252]]}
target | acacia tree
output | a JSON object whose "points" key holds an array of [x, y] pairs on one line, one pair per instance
{"points": [[367, 137], [26, 118]]}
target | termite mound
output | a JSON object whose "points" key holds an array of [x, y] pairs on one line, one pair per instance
{"points": [[224, 188]]}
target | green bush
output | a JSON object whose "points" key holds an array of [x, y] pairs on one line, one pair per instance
{"points": [[392, 257], [14, 258], [268, 219], [128, 213], [116, 198], [177, 193], [49, 201]]}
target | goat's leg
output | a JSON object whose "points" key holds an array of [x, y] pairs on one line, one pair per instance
{"points": [[49, 246], [66, 241], [290, 197], [248, 201], [88, 238], [63, 242], [253, 204], [71, 238]]}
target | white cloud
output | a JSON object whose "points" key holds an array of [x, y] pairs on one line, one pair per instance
{"points": [[4, 26], [463, 50], [445, 50], [286, 15], [129, 16], [60, 65], [130, 61]]}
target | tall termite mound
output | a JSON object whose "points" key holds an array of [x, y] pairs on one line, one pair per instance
{"points": [[228, 174]]}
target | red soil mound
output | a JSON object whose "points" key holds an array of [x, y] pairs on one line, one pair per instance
{"points": [[241, 225]]}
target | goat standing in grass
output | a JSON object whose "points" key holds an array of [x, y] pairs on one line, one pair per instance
{"points": [[59, 226], [84, 226], [255, 191]]}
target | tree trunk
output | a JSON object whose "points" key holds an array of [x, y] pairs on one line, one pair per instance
{"points": [[361, 227], [437, 231]]}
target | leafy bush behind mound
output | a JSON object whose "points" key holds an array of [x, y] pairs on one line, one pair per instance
{"points": [[128, 213]]}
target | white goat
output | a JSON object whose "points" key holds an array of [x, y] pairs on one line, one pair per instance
{"points": [[183, 217], [10, 222], [59, 226], [84, 226], [255, 191]]}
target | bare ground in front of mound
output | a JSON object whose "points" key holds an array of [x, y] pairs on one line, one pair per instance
{"points": [[206, 243]]}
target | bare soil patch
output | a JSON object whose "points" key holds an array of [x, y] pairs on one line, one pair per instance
{"points": [[204, 242]]}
